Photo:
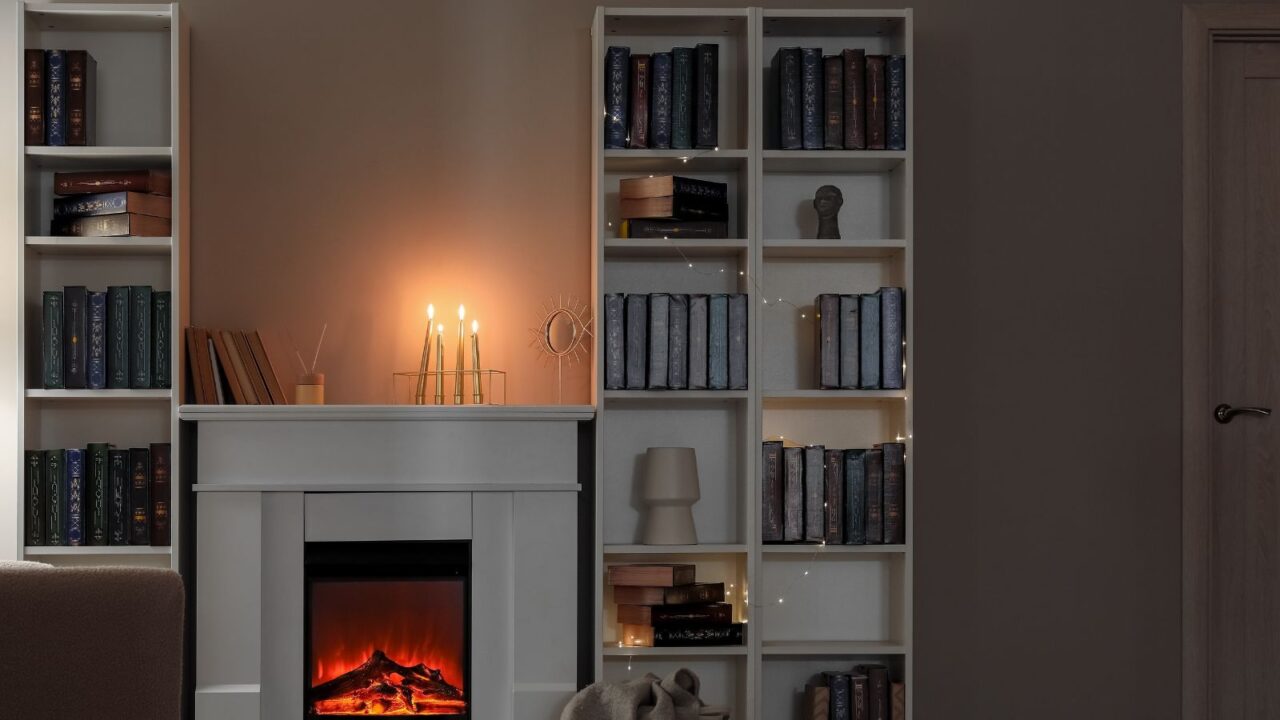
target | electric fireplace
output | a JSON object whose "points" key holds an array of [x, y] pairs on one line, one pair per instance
{"points": [[388, 629]]}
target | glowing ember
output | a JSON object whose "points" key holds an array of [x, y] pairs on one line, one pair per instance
{"points": [[382, 686]]}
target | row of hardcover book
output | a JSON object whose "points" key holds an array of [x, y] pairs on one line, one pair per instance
{"points": [[231, 367], [59, 97], [815, 494], [98, 495], [662, 605], [112, 203], [867, 692], [859, 340], [672, 341], [850, 101], [663, 100], [114, 339]]}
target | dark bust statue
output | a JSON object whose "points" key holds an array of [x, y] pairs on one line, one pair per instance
{"points": [[827, 202]]}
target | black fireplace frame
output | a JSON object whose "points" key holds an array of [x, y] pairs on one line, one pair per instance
{"points": [[387, 560]]}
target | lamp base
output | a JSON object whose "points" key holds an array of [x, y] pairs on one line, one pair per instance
{"points": [[669, 525]]}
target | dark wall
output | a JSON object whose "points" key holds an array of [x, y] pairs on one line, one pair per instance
{"points": [[1047, 346]]}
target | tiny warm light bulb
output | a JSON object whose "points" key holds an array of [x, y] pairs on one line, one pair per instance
{"points": [[779, 601]]}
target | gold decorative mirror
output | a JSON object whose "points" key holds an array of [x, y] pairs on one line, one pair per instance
{"points": [[562, 334]]}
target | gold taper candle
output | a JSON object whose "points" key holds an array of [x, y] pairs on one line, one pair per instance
{"points": [[462, 341], [440, 364], [477, 392], [420, 397]]}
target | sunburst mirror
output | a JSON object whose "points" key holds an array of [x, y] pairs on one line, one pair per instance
{"points": [[562, 334]]}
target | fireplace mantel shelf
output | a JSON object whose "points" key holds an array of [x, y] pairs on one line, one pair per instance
{"points": [[260, 413]]}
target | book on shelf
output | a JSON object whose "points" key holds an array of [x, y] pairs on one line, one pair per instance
{"points": [[55, 497], [256, 379], [811, 99], [678, 342], [697, 634], [33, 516], [827, 323], [617, 73], [833, 496], [275, 390], [895, 111], [815, 528], [793, 494], [786, 71], [858, 695], [664, 99], [96, 363], [651, 575], [859, 340], [877, 690], [82, 83], [691, 190], [659, 340], [679, 595], [671, 207], [869, 333], [816, 704], [638, 109], [74, 492], [875, 103], [874, 503], [160, 493], [654, 615], [637, 338], [661, 605], [118, 225], [897, 700], [52, 331], [98, 492], [771, 474], [119, 505], [718, 342], [675, 341], [140, 496], [33, 96], [614, 342], [737, 347], [76, 328], [112, 203], [850, 101], [140, 337], [660, 112], [231, 367], [849, 342], [864, 692], [895, 492], [833, 102], [833, 483], [649, 228], [161, 339], [706, 95], [118, 304], [114, 339], [157, 182], [698, 337], [55, 102], [855, 500], [840, 699], [854, 107], [682, 114], [892, 319]]}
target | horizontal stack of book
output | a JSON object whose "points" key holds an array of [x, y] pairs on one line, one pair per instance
{"points": [[114, 203], [813, 494], [671, 341], [663, 100], [859, 340], [850, 101], [113, 339], [663, 606], [231, 367], [865, 693], [97, 495], [59, 97], [668, 206]]}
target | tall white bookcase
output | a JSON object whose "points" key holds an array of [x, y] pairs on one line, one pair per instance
{"points": [[141, 122], [808, 609]]}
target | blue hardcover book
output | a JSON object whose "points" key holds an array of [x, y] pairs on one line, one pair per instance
{"points": [[75, 345], [75, 497], [678, 342], [615, 356], [855, 491], [786, 70], [812, 130], [738, 342], [118, 336], [637, 349], [895, 71], [869, 353], [718, 342], [706, 84], [660, 105], [659, 340], [849, 342], [698, 342], [55, 86], [892, 317], [681, 98], [617, 72], [97, 363]]}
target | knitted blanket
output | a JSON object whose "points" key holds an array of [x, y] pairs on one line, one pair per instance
{"points": [[674, 697]]}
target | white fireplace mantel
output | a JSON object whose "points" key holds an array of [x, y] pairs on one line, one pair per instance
{"points": [[270, 479]]}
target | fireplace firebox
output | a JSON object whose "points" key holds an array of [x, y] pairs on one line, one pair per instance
{"points": [[388, 629]]}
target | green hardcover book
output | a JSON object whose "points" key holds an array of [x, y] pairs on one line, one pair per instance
{"points": [[33, 516], [55, 526], [118, 336], [119, 506], [51, 339], [161, 319], [97, 492], [140, 336]]}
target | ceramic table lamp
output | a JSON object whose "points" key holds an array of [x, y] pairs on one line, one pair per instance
{"points": [[669, 488]]}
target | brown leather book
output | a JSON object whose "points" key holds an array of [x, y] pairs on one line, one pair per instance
{"points": [[274, 388], [158, 182], [817, 701], [855, 94], [651, 575], [258, 382], [875, 102], [638, 137], [81, 78], [204, 361], [238, 368], [33, 96], [118, 225], [196, 379], [898, 700], [632, 595], [227, 366]]}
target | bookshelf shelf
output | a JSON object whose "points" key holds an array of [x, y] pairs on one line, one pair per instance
{"points": [[833, 249], [665, 248], [642, 161], [676, 652], [675, 396], [118, 550], [780, 396], [47, 245], [120, 394], [832, 647], [70, 158], [726, 549], [833, 161], [826, 550]]}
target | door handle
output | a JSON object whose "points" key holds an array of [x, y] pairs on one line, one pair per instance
{"points": [[1224, 412]]}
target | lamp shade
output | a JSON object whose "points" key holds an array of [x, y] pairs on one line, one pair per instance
{"points": [[669, 488]]}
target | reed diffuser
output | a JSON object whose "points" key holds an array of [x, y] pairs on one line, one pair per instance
{"points": [[310, 387]]}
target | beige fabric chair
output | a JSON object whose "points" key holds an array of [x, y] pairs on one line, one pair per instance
{"points": [[102, 643]]}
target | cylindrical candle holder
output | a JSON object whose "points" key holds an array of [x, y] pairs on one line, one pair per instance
{"points": [[309, 390]]}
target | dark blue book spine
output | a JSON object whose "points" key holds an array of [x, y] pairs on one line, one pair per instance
{"points": [[75, 348], [849, 342], [55, 97], [698, 342], [895, 492], [55, 495], [792, 494], [51, 343], [738, 342], [678, 342], [718, 342], [895, 71], [771, 478], [891, 321], [118, 336], [140, 336], [829, 350], [97, 364], [855, 490], [659, 339], [637, 340], [811, 91], [615, 358], [118, 504], [682, 98], [834, 505], [617, 70], [33, 510], [873, 461], [75, 497], [839, 686], [815, 495], [707, 92], [787, 69], [161, 340], [869, 357], [660, 115]]}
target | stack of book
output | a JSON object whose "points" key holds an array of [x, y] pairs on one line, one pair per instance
{"points": [[97, 495], [59, 97], [114, 203], [113, 339], [663, 100], [850, 101], [671, 341], [814, 494], [668, 206], [864, 693], [231, 367], [859, 340], [663, 606]]}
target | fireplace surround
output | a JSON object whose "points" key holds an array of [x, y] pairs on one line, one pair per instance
{"points": [[313, 514]]}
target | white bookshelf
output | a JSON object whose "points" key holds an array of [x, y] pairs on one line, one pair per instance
{"points": [[854, 604], [141, 122]]}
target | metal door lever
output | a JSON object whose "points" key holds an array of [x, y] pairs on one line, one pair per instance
{"points": [[1224, 412]]}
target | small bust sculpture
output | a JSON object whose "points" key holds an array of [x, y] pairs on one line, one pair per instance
{"points": [[827, 202]]}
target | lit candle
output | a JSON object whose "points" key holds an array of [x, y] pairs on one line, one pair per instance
{"points": [[462, 341], [477, 392], [420, 397], [440, 364]]}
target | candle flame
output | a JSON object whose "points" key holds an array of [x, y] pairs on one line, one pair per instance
{"points": [[440, 328], [475, 326], [462, 312], [431, 312]]}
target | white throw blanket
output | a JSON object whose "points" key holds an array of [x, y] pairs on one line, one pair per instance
{"points": [[674, 697]]}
